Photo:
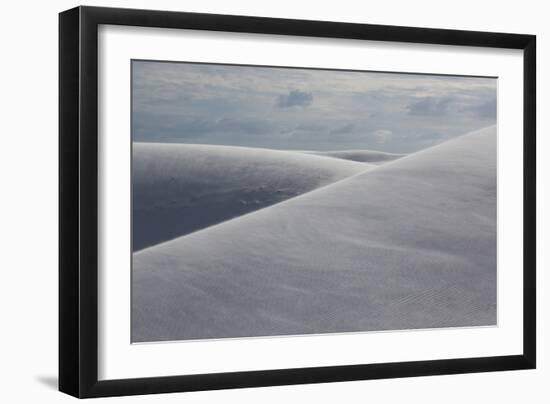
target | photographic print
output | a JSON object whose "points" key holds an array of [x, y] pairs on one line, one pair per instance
{"points": [[249, 202], [277, 201]]}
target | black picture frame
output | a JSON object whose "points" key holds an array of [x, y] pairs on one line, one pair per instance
{"points": [[78, 200]]}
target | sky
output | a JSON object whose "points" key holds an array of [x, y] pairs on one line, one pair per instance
{"points": [[304, 109]]}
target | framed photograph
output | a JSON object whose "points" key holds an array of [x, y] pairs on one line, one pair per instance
{"points": [[250, 201]]}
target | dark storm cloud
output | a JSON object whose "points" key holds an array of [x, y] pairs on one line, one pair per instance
{"points": [[294, 98]]}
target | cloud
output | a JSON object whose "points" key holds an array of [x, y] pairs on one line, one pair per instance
{"points": [[383, 135], [249, 126], [304, 109], [485, 110], [429, 106], [294, 98], [311, 126], [343, 130], [193, 128]]}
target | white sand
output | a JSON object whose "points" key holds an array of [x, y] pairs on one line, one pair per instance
{"points": [[411, 244]]}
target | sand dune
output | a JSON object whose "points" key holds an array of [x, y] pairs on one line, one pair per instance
{"points": [[178, 189], [365, 156], [410, 244]]}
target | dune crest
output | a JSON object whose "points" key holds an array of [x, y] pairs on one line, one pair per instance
{"points": [[179, 189]]}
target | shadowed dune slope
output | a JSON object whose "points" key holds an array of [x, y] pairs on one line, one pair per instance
{"points": [[178, 189], [364, 156], [411, 244]]}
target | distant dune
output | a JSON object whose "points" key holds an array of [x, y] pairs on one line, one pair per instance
{"points": [[410, 244], [178, 189], [365, 156]]}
